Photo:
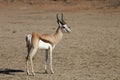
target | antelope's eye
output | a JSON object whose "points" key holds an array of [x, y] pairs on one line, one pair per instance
{"points": [[63, 27]]}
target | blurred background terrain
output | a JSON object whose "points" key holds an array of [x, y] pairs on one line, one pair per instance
{"points": [[64, 4]]}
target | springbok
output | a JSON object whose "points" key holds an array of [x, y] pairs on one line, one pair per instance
{"points": [[44, 41]]}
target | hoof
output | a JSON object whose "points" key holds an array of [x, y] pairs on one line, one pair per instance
{"points": [[33, 74], [28, 73], [52, 72], [46, 72]]}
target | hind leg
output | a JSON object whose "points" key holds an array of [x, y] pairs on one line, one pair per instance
{"points": [[27, 60], [31, 61], [27, 68]]}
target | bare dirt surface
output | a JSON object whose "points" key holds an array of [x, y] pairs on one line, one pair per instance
{"points": [[90, 52]]}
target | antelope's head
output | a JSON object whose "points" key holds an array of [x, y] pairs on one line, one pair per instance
{"points": [[62, 24]]}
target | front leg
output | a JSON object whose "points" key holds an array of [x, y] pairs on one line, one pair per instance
{"points": [[51, 61], [46, 59]]}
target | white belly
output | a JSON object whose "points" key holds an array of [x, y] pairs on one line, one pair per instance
{"points": [[44, 45]]}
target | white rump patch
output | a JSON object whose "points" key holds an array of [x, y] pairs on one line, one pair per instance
{"points": [[44, 45], [29, 36]]}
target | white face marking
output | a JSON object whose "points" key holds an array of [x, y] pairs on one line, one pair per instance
{"points": [[65, 25], [44, 45], [66, 28]]}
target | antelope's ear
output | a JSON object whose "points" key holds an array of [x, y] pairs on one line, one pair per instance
{"points": [[62, 19]]}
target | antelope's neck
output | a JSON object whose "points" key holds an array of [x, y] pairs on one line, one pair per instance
{"points": [[58, 34]]}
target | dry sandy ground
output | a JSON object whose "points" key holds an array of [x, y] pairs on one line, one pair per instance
{"points": [[90, 52]]}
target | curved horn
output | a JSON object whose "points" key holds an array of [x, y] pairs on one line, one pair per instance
{"points": [[57, 16]]}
